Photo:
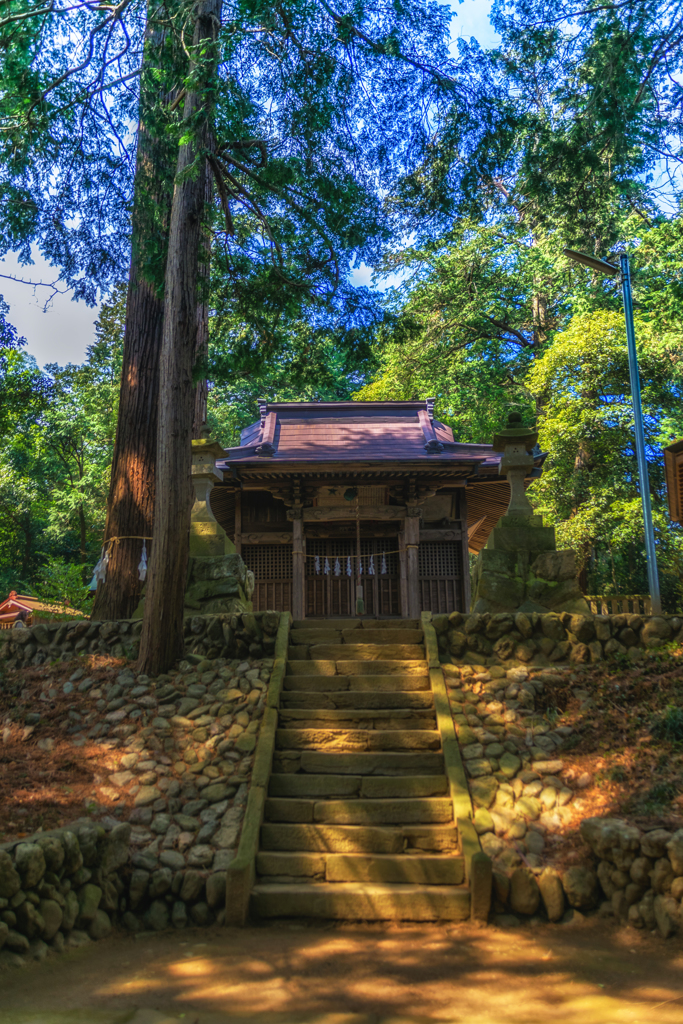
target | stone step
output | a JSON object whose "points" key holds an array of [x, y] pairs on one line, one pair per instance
{"points": [[319, 762], [352, 740], [357, 718], [402, 811], [417, 869], [315, 637], [318, 667], [381, 636], [357, 700], [310, 668], [372, 786], [362, 901], [331, 623], [327, 838], [375, 681], [327, 624], [395, 667], [367, 652], [392, 624]]}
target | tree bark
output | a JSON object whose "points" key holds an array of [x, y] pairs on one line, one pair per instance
{"points": [[161, 641], [201, 354], [130, 510], [130, 505]]}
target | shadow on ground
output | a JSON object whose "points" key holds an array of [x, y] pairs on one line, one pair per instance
{"points": [[357, 975]]}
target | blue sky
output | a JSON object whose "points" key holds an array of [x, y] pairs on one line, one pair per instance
{"points": [[61, 330]]}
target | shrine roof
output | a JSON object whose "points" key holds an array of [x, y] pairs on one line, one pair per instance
{"points": [[378, 432]]}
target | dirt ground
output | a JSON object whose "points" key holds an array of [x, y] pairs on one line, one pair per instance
{"points": [[594, 974]]}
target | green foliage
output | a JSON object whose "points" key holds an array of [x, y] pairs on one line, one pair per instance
{"points": [[590, 488], [54, 463], [332, 134], [577, 116], [63, 583], [323, 356], [463, 326], [669, 725]]}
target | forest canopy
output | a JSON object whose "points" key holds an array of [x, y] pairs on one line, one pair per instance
{"points": [[341, 137]]}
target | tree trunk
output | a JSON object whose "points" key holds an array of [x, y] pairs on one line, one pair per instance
{"points": [[202, 346], [161, 642], [130, 505]]}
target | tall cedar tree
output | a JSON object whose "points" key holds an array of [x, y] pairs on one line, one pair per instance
{"points": [[162, 630], [315, 111], [130, 504], [312, 187]]}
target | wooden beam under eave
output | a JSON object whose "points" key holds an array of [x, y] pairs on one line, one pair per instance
{"points": [[324, 513], [267, 538], [430, 465]]}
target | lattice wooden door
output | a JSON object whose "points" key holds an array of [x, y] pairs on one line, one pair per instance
{"points": [[333, 593], [440, 576], [271, 565]]}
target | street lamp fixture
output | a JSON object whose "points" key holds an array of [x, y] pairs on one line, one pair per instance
{"points": [[610, 270]]}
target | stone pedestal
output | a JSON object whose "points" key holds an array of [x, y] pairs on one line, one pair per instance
{"points": [[218, 581], [217, 578], [207, 536], [520, 568]]}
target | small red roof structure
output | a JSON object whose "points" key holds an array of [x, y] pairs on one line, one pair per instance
{"points": [[12, 607]]}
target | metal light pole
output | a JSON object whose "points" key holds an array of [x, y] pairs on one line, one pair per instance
{"points": [[611, 271]]}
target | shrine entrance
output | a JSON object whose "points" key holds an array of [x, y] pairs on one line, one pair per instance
{"points": [[332, 576], [316, 491]]}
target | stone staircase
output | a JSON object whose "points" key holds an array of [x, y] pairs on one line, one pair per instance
{"points": [[359, 819]]}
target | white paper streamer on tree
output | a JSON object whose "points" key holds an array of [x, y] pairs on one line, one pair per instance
{"points": [[142, 567], [100, 572]]}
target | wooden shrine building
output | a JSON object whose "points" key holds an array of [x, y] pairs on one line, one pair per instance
{"points": [[673, 474], [321, 498]]}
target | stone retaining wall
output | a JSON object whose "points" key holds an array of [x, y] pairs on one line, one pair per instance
{"points": [[211, 636], [61, 888], [183, 745], [636, 878], [545, 639], [639, 873]]}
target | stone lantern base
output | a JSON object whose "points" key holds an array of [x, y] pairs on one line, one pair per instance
{"points": [[521, 570]]}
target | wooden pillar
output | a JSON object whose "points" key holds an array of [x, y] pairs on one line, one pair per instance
{"points": [[238, 522], [402, 571], [465, 589], [412, 541], [296, 514]]}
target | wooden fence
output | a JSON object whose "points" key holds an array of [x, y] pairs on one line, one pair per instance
{"points": [[636, 604]]}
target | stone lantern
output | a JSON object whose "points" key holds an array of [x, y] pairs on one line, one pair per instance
{"points": [[516, 443], [207, 536], [520, 569]]}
